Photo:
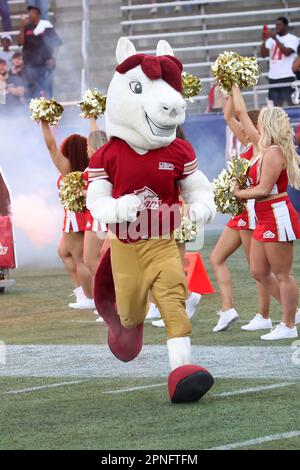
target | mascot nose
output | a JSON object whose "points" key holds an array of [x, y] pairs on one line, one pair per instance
{"points": [[174, 110]]}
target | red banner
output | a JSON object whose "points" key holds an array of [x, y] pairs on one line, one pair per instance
{"points": [[7, 252]]}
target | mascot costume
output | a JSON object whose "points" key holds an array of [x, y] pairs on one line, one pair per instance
{"points": [[135, 180]]}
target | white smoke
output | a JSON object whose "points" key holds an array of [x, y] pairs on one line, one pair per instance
{"points": [[37, 213]]}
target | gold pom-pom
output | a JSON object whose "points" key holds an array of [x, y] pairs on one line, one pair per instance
{"points": [[231, 68], [93, 104], [223, 186], [45, 110], [71, 193], [191, 85], [187, 232]]}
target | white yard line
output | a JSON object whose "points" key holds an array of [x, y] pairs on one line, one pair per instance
{"points": [[42, 387], [217, 395], [134, 389], [253, 389], [259, 440]]}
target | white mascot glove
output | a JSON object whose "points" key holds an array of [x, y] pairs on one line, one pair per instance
{"points": [[127, 208], [197, 193], [107, 209]]}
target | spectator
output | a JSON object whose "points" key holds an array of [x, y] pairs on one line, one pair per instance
{"points": [[3, 78], [42, 5], [281, 48], [216, 99], [11, 87], [17, 67], [15, 91], [17, 70], [4, 12], [40, 44], [296, 65], [5, 53]]}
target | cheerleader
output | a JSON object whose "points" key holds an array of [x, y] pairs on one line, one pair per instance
{"points": [[278, 223], [95, 241], [238, 232], [72, 156], [95, 233]]}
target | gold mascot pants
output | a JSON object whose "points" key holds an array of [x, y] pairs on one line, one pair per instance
{"points": [[146, 265]]}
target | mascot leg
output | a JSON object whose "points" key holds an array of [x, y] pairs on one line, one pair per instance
{"points": [[187, 382], [124, 343]]}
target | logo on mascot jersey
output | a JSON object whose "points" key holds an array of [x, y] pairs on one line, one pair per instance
{"points": [[3, 250], [165, 166], [148, 198]]}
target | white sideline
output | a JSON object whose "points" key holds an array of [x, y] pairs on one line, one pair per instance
{"points": [[259, 440], [42, 387]]}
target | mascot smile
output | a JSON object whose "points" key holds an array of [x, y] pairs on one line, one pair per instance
{"points": [[135, 180]]}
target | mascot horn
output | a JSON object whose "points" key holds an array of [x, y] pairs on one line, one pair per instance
{"points": [[135, 180]]}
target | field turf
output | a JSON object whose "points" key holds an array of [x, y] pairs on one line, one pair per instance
{"points": [[84, 412]]}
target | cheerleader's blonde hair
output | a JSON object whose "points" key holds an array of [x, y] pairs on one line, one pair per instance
{"points": [[276, 129]]}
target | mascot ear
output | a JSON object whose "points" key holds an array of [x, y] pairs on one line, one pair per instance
{"points": [[125, 49], [164, 48]]}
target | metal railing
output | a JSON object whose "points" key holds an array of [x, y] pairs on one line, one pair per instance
{"points": [[241, 29], [209, 16], [148, 6]]}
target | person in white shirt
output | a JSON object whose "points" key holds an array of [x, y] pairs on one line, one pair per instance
{"points": [[281, 48], [5, 52]]}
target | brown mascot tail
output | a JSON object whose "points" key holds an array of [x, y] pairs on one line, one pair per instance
{"points": [[124, 343]]}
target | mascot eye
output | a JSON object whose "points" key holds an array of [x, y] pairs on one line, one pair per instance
{"points": [[136, 87]]}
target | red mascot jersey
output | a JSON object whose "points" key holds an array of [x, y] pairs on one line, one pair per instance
{"points": [[152, 177]]}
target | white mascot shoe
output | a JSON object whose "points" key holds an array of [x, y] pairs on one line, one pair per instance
{"points": [[281, 331], [258, 323], [226, 319]]}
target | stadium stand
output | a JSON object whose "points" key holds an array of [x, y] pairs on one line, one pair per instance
{"points": [[204, 28], [199, 32]]}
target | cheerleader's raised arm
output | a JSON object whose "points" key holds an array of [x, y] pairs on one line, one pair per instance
{"points": [[60, 161]]}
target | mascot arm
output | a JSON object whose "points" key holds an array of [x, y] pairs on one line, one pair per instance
{"points": [[197, 193], [107, 209]]}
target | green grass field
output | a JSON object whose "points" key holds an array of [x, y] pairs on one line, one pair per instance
{"points": [[82, 415]]}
